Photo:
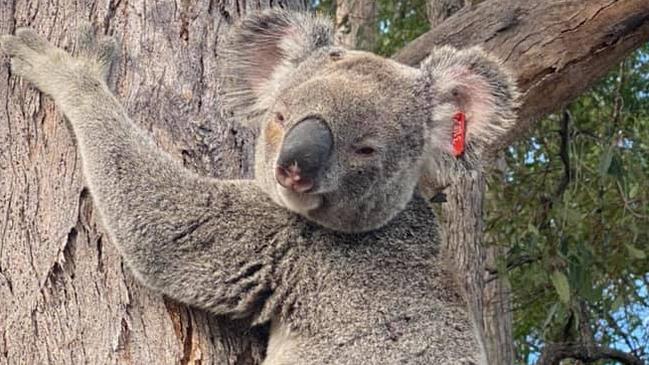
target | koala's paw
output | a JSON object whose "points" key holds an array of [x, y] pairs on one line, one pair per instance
{"points": [[51, 68], [30, 54]]}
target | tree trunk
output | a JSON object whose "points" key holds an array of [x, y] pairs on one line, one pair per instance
{"points": [[356, 24], [439, 10], [65, 296]]}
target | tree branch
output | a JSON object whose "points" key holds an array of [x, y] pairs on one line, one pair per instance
{"points": [[513, 262], [556, 48], [564, 153], [440, 10], [356, 24], [555, 352]]}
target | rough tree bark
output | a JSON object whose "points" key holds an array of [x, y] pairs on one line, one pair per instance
{"points": [[65, 296], [356, 24], [440, 10]]}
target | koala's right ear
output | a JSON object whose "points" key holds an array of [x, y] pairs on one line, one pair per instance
{"points": [[261, 52]]}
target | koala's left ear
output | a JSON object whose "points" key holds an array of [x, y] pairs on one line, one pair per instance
{"points": [[261, 52], [472, 88]]}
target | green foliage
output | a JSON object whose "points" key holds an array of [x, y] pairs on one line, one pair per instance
{"points": [[582, 222], [398, 22]]}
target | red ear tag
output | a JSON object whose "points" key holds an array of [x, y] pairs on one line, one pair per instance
{"points": [[459, 134]]}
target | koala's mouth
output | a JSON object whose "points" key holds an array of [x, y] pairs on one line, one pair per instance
{"points": [[300, 202]]}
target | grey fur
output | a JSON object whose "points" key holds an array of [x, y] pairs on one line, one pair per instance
{"points": [[369, 288]]}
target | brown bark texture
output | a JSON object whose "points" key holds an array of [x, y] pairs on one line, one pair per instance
{"points": [[65, 294], [438, 11], [356, 24]]}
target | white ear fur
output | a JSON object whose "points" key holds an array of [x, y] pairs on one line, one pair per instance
{"points": [[261, 52], [475, 83]]}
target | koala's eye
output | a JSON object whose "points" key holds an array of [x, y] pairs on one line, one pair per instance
{"points": [[279, 117], [365, 151]]}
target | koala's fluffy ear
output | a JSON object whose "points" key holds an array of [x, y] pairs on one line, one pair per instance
{"points": [[472, 83], [261, 52]]}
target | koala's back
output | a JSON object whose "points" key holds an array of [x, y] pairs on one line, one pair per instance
{"points": [[375, 298]]}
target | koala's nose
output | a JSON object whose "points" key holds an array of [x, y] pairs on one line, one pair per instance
{"points": [[305, 150], [291, 178]]}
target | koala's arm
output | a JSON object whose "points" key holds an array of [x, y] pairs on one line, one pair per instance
{"points": [[201, 241]]}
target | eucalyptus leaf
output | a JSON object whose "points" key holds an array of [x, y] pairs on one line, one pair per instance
{"points": [[605, 161], [560, 282], [635, 252]]}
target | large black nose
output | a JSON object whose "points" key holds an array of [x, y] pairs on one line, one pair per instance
{"points": [[304, 152]]}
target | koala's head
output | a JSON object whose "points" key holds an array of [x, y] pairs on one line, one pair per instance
{"points": [[345, 136]]}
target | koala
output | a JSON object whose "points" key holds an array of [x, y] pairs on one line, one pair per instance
{"points": [[331, 245]]}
